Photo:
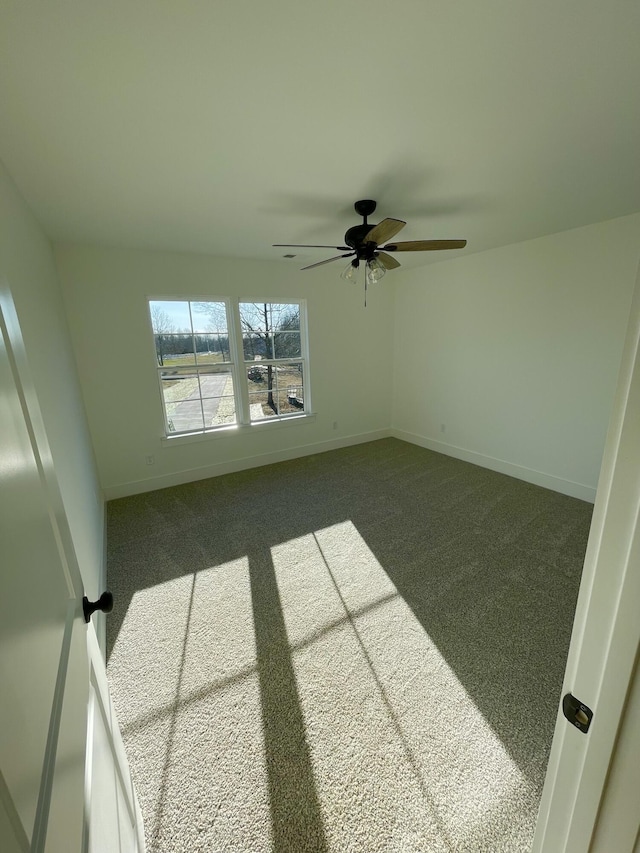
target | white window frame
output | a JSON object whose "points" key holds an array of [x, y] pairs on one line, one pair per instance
{"points": [[238, 368]]}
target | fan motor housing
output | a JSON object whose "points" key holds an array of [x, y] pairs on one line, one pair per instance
{"points": [[355, 236]]}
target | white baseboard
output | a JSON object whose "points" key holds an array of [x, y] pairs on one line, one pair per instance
{"points": [[529, 475], [123, 490], [520, 472]]}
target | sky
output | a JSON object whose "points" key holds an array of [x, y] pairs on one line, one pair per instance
{"points": [[215, 318], [178, 313]]}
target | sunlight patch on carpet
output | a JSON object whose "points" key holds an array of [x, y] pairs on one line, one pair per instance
{"points": [[192, 715], [386, 718]]}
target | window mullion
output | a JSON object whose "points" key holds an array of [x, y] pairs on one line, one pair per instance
{"points": [[204, 423], [242, 389]]}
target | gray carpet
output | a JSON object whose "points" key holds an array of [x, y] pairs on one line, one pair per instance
{"points": [[360, 650]]}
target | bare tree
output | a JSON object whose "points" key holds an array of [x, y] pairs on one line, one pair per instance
{"points": [[257, 339], [269, 331], [162, 326], [216, 314], [261, 324]]}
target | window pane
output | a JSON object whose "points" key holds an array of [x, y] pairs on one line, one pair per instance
{"points": [[290, 388], [286, 345], [294, 395], [254, 346], [278, 392], [209, 317], [257, 375], [179, 385], [208, 349], [181, 392], [290, 373], [197, 400], [262, 384], [285, 317], [225, 413], [175, 349], [269, 316], [169, 316], [290, 401], [162, 348], [254, 316], [259, 407], [185, 416], [218, 402], [215, 349], [216, 381]]}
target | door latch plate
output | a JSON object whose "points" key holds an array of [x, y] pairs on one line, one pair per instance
{"points": [[577, 713]]}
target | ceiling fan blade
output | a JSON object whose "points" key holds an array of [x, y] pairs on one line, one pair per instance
{"points": [[424, 245], [305, 246], [384, 230], [328, 261], [387, 261]]}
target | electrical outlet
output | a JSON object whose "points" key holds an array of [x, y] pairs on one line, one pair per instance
{"points": [[150, 459], [335, 424], [443, 427]]}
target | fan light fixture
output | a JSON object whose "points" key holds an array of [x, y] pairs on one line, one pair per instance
{"points": [[374, 271], [350, 272]]}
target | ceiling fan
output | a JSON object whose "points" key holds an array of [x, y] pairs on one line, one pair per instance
{"points": [[363, 244]]}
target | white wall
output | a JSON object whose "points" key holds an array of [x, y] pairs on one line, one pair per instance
{"points": [[515, 351], [27, 266], [509, 358], [105, 293]]}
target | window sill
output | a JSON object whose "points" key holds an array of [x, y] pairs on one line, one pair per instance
{"points": [[236, 429]]}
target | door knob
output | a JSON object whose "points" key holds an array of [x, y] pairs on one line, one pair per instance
{"points": [[104, 603]]}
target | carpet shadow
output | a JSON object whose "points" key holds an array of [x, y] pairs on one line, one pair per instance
{"points": [[296, 819], [155, 833]]}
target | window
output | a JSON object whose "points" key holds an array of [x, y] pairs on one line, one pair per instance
{"points": [[272, 349], [222, 362]]}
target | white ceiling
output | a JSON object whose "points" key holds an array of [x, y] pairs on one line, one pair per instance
{"points": [[223, 126]]}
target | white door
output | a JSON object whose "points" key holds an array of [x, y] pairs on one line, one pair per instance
{"points": [[579, 788], [55, 710]]}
